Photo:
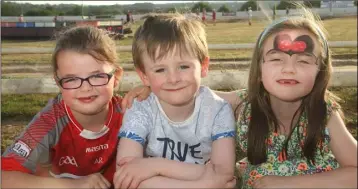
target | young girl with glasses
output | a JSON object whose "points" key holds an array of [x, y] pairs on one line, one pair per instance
{"points": [[72, 142]]}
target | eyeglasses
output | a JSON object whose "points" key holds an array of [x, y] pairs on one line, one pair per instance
{"points": [[278, 58], [94, 80]]}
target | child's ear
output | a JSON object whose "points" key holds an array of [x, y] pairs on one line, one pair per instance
{"points": [[143, 77], [118, 76], [205, 67]]}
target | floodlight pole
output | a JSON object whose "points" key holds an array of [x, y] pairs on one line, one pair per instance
{"points": [[82, 11]]}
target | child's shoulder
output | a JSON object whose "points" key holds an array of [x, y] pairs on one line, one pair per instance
{"points": [[147, 105], [207, 94], [241, 93]]}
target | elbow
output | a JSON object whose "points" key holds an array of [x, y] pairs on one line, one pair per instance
{"points": [[225, 170]]}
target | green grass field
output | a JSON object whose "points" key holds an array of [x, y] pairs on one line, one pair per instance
{"points": [[340, 29]]}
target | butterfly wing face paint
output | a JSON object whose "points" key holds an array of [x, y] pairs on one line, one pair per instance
{"points": [[301, 44]]}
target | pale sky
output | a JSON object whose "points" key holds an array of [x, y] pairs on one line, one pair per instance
{"points": [[101, 2]]}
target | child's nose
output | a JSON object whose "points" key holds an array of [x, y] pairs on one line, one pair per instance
{"points": [[173, 77], [86, 86], [289, 66]]}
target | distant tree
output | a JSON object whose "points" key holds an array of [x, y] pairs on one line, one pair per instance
{"points": [[200, 6], [75, 11], [223, 8], [43, 12], [61, 13], [312, 3], [355, 2], [250, 3], [10, 9], [284, 4]]}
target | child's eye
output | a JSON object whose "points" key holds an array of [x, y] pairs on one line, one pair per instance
{"points": [[183, 67], [68, 80], [275, 60], [159, 70], [99, 76], [303, 62]]}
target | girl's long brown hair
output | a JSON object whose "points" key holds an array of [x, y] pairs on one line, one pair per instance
{"points": [[263, 119]]}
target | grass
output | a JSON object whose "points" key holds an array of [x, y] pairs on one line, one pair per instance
{"points": [[340, 29], [18, 110]]}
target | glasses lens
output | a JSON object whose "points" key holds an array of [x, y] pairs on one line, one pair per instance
{"points": [[99, 79], [70, 83]]}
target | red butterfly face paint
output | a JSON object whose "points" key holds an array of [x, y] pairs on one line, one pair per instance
{"points": [[301, 44]]}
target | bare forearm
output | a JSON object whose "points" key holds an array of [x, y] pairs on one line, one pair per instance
{"points": [[165, 182], [15, 179], [339, 178], [179, 170]]}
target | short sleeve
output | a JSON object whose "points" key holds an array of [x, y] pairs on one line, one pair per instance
{"points": [[224, 123], [32, 146], [137, 122]]}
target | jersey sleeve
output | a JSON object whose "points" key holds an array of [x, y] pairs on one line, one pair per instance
{"points": [[32, 146], [224, 123], [136, 122]]}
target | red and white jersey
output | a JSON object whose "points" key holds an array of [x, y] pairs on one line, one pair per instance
{"points": [[53, 137]]}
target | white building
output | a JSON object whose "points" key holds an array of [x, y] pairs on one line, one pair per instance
{"points": [[336, 4]]}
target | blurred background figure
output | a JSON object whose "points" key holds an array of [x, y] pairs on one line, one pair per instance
{"points": [[214, 17], [287, 10], [249, 12], [203, 17]]}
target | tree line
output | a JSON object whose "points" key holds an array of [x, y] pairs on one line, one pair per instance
{"points": [[27, 9]]}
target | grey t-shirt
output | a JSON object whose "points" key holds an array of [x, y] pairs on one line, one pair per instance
{"points": [[188, 141]]}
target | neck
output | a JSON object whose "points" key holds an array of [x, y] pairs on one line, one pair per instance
{"points": [[284, 112], [93, 122], [178, 113]]}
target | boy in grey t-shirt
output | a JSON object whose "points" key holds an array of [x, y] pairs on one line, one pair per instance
{"points": [[181, 125]]}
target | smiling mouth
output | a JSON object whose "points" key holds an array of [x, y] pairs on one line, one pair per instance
{"points": [[87, 99], [172, 90], [287, 81]]}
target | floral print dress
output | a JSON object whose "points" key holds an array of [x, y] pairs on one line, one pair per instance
{"points": [[293, 164]]}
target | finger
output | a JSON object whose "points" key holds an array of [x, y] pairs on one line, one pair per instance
{"points": [[144, 93], [124, 160], [100, 184], [231, 183], [120, 180], [105, 181], [127, 181], [135, 183], [117, 179], [124, 103]]}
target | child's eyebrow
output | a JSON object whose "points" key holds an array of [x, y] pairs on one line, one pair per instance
{"points": [[74, 75]]}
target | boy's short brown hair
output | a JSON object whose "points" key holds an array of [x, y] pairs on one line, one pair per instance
{"points": [[161, 33], [87, 40]]}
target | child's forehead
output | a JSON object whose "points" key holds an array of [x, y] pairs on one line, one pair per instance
{"points": [[291, 35], [176, 53]]}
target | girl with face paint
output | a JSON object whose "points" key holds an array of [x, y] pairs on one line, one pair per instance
{"points": [[289, 125]]}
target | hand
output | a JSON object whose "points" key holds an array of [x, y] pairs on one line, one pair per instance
{"points": [[95, 180], [271, 181], [132, 171], [213, 180], [140, 92]]}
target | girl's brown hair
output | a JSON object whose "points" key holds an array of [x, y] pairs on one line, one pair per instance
{"points": [[314, 104], [87, 40]]}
